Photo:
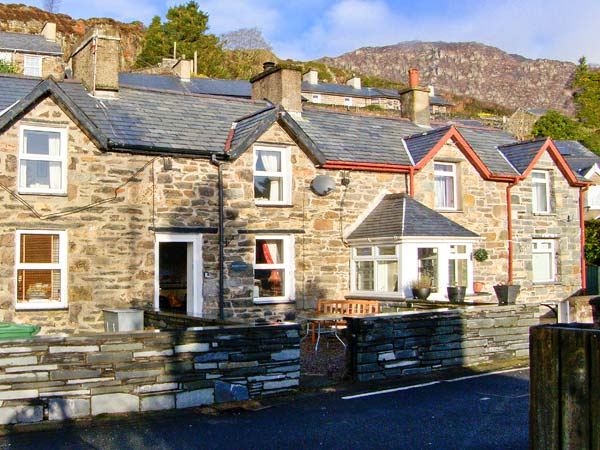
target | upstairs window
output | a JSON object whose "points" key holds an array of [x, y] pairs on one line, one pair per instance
{"points": [[32, 66], [41, 269], [43, 160], [445, 186], [316, 98], [272, 184], [348, 101], [540, 187]]}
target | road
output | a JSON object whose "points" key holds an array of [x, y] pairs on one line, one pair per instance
{"points": [[488, 412]]}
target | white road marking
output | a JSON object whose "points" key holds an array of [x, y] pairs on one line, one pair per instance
{"points": [[417, 386]]}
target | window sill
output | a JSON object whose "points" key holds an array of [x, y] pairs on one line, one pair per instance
{"points": [[40, 306], [274, 205], [546, 283], [544, 214], [44, 193], [441, 210], [271, 300]]}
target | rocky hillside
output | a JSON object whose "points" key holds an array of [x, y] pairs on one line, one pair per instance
{"points": [[469, 69], [28, 19]]}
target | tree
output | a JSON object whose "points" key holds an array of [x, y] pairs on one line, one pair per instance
{"points": [[52, 6], [187, 26], [245, 39], [557, 126], [587, 95]]}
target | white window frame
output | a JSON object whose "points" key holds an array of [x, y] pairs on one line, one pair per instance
{"points": [[62, 158], [348, 101], [552, 252], [194, 300], [453, 175], [6, 57], [316, 98], [288, 266], [61, 265], [285, 174], [455, 256], [375, 257], [540, 184], [32, 65]]}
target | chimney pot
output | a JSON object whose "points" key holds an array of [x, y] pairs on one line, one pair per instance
{"points": [[413, 77]]}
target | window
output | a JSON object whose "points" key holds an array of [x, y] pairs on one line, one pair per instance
{"points": [[458, 266], [376, 269], [593, 197], [375, 101], [445, 186], [43, 160], [543, 260], [273, 269], [6, 57], [347, 101], [41, 269], [272, 175], [427, 264], [540, 187], [316, 98], [32, 66]]}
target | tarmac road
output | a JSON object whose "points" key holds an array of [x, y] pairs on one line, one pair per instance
{"points": [[489, 412]]}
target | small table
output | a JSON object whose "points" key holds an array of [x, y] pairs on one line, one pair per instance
{"points": [[320, 319]]}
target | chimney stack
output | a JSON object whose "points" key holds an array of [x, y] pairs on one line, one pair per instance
{"points": [[354, 82], [415, 100], [280, 84], [95, 61], [183, 69], [311, 77], [49, 31]]}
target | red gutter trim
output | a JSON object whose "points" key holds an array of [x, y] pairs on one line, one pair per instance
{"points": [[367, 166], [582, 236]]}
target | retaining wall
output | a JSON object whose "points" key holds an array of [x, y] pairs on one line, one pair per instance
{"points": [[57, 378], [393, 345]]}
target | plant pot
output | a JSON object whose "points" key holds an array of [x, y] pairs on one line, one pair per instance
{"points": [[477, 286], [507, 293], [456, 294], [421, 293]]}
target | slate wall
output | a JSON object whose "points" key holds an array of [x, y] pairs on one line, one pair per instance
{"points": [[396, 345], [57, 378]]}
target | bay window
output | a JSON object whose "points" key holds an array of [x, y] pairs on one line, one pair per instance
{"points": [[273, 269], [458, 266], [376, 269], [445, 186], [272, 180], [41, 269], [42, 160]]}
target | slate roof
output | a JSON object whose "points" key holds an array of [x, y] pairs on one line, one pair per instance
{"points": [[344, 89], [398, 215], [420, 144], [579, 158], [13, 88], [28, 43], [520, 154], [485, 142], [357, 137], [439, 101]]}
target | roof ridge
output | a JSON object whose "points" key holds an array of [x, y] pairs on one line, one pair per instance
{"points": [[528, 141], [358, 114], [192, 94], [428, 132]]}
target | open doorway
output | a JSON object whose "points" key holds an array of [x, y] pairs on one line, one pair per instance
{"points": [[178, 274]]}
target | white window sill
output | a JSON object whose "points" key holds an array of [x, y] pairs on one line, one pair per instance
{"points": [[47, 193], [40, 305], [284, 204], [268, 300]]}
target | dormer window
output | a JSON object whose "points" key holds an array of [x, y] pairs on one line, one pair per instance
{"points": [[445, 186], [540, 187], [272, 181], [43, 160]]}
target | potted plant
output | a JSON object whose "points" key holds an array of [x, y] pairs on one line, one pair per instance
{"points": [[480, 255], [421, 287], [456, 294], [507, 293]]}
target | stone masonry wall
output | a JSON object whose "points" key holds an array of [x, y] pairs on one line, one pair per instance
{"points": [[58, 378], [51, 65], [394, 345]]}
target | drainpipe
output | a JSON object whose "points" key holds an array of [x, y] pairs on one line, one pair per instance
{"points": [[411, 176], [509, 230], [582, 191], [219, 166]]}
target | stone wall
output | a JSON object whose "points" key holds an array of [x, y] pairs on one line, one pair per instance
{"points": [[51, 65], [393, 345], [57, 378]]}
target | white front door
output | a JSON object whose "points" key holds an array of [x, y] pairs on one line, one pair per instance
{"points": [[178, 273]]}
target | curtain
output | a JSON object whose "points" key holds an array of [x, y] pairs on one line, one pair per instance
{"points": [[444, 192], [272, 256], [55, 167], [270, 161]]}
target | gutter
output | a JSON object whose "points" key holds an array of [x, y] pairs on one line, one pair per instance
{"points": [[219, 166], [366, 166]]}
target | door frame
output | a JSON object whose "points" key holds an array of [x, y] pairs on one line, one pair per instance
{"points": [[194, 300]]}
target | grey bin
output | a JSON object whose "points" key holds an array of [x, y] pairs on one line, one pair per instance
{"points": [[123, 320]]}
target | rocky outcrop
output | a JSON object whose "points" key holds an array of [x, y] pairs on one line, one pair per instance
{"points": [[469, 69], [29, 19]]}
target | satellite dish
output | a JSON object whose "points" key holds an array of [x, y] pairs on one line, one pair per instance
{"points": [[323, 185]]}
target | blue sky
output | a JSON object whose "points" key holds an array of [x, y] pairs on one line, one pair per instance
{"points": [[306, 29]]}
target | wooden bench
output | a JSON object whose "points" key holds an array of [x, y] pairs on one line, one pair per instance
{"points": [[345, 308]]}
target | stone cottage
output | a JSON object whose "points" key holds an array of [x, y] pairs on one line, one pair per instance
{"points": [[211, 206], [34, 55]]}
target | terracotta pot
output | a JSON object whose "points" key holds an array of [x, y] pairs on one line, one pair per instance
{"points": [[477, 286]]}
